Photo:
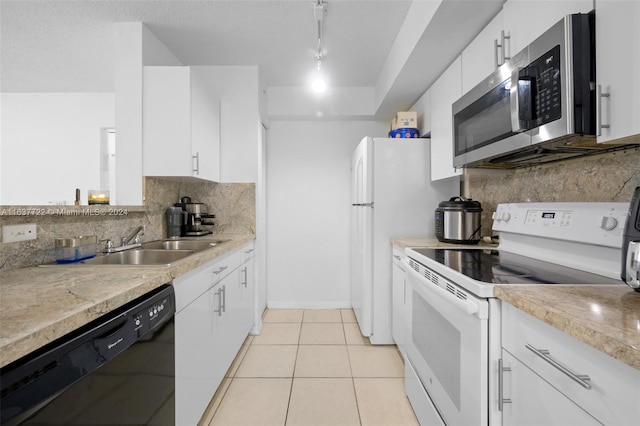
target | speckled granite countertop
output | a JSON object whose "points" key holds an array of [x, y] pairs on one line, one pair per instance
{"points": [[433, 242], [605, 317], [38, 305]]}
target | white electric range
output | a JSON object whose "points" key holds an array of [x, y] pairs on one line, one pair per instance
{"points": [[453, 341]]}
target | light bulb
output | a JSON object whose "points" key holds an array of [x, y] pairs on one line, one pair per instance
{"points": [[319, 85]]}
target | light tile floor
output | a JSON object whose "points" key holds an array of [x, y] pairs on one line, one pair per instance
{"points": [[312, 367]]}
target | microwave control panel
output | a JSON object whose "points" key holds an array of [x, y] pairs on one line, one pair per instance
{"points": [[539, 90], [547, 103]]}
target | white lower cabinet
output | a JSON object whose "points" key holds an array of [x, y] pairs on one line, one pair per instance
{"points": [[248, 287], [240, 290], [196, 349], [532, 401], [551, 378], [212, 320]]}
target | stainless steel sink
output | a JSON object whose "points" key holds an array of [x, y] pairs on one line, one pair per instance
{"points": [[140, 257], [179, 245], [153, 253]]}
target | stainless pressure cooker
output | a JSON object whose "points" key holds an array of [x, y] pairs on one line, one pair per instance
{"points": [[458, 221]]}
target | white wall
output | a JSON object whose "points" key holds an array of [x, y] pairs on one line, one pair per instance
{"points": [[55, 135], [308, 206]]}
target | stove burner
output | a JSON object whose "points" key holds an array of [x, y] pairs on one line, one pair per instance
{"points": [[512, 270]]}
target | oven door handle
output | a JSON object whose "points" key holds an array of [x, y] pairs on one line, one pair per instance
{"points": [[464, 305]]}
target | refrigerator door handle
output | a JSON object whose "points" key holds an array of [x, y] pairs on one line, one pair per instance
{"points": [[363, 205]]}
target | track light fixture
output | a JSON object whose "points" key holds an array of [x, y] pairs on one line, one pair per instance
{"points": [[319, 12]]}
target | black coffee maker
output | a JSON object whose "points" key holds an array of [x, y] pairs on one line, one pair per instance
{"points": [[197, 218]]}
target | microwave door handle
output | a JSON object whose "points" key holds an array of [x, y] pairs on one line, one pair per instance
{"points": [[514, 95]]}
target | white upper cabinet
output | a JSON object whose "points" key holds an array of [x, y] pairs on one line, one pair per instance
{"points": [[618, 69], [444, 92], [240, 131], [423, 108], [511, 30], [205, 129], [181, 124], [483, 55], [526, 20]]}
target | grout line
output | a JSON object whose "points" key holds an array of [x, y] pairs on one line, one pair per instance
{"points": [[222, 396], [286, 416], [355, 394], [353, 379], [293, 374]]}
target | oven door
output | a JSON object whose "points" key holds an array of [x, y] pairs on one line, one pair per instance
{"points": [[447, 345]]}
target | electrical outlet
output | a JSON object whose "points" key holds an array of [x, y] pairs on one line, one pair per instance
{"points": [[15, 233]]}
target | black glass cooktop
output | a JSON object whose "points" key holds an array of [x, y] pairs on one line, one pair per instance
{"points": [[493, 266]]}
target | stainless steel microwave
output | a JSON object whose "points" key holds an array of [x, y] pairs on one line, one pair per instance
{"points": [[537, 107]]}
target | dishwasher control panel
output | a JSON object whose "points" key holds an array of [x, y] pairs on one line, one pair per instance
{"points": [[153, 314]]}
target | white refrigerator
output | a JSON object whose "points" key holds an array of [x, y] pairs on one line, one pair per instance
{"points": [[391, 196]]}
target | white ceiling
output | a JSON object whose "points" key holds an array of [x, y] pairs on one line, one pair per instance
{"points": [[56, 46]]}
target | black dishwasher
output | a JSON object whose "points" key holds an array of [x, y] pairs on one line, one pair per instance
{"points": [[117, 370]]}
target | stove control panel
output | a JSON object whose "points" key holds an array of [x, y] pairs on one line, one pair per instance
{"points": [[609, 223], [549, 218], [593, 223]]}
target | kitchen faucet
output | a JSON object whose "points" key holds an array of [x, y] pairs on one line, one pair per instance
{"points": [[134, 235]]}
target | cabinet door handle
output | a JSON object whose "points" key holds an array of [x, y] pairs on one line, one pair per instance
{"points": [[248, 251], [244, 277], [222, 268], [395, 256], [581, 379], [196, 164], [224, 298], [503, 38], [599, 96], [501, 399], [497, 59], [219, 310]]}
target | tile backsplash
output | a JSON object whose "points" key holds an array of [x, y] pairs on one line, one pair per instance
{"points": [[606, 177], [232, 203]]}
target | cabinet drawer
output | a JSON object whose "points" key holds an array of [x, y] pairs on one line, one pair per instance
{"points": [[398, 257], [247, 252], [194, 283], [224, 267], [532, 401], [615, 386]]}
